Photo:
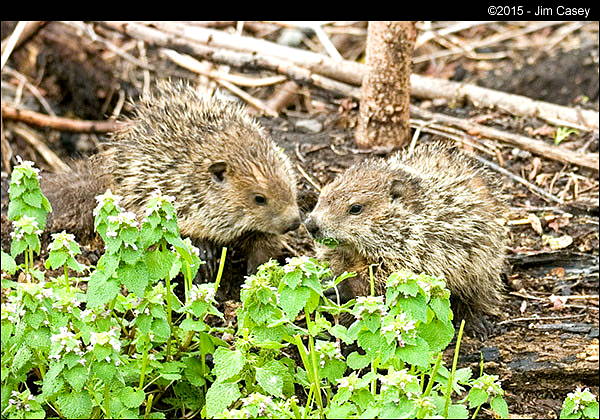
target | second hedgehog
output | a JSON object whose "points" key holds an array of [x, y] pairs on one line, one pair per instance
{"points": [[437, 211], [232, 183]]}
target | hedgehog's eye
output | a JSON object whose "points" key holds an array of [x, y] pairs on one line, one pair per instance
{"points": [[355, 209], [259, 199]]}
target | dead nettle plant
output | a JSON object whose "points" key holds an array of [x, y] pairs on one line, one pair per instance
{"points": [[114, 340]]}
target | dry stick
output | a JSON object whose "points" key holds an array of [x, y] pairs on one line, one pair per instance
{"points": [[49, 156], [302, 75], [430, 88], [543, 318], [234, 58], [529, 185], [58, 123], [353, 73], [7, 48], [28, 28], [194, 65], [461, 26], [535, 146]]}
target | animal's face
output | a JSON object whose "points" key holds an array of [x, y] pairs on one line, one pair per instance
{"points": [[363, 209], [260, 198]]}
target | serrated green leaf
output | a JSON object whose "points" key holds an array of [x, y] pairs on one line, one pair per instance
{"points": [[441, 307], [189, 324], [130, 397], [21, 358], [17, 247], [75, 405], [33, 198], [358, 361], [415, 307], [228, 363], [341, 332], [159, 263], [333, 370], [499, 406], [104, 370], [270, 381], [437, 334], [371, 342], [8, 263], [52, 383], [591, 411], [220, 396], [161, 330], [477, 397], [293, 300], [134, 277], [194, 372], [76, 377], [292, 279], [56, 259], [418, 354], [458, 411], [101, 290]]}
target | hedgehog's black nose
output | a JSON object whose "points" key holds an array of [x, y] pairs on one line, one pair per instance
{"points": [[293, 226], [312, 227]]}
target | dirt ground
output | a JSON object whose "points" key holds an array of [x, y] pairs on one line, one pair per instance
{"points": [[546, 341]]}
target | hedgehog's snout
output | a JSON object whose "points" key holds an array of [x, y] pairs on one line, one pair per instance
{"points": [[312, 227]]}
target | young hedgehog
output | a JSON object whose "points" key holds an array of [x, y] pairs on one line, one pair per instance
{"points": [[437, 211], [233, 185]]}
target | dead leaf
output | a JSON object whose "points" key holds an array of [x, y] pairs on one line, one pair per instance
{"points": [[558, 272], [523, 306], [535, 223], [536, 164], [558, 301], [557, 243], [544, 130]]}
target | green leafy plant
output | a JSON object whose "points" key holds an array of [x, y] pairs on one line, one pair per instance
{"points": [[119, 343], [580, 404], [562, 133]]}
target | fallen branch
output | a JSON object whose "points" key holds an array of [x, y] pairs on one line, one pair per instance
{"points": [[351, 72], [45, 152], [535, 146], [22, 32], [546, 195], [58, 123]]}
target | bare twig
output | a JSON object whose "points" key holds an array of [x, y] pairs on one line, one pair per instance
{"points": [[58, 123], [48, 155], [194, 65], [308, 178], [535, 146], [7, 48], [529, 185], [541, 318]]}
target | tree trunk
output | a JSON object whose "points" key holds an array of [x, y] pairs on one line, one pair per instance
{"points": [[384, 106]]}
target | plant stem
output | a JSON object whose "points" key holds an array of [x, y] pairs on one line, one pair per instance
{"points": [[169, 314], [374, 366], [317, 381], [453, 371], [476, 411], [372, 279], [143, 370], [436, 366], [148, 405], [221, 266]]}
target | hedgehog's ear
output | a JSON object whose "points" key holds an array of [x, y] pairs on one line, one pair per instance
{"points": [[218, 169]]}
